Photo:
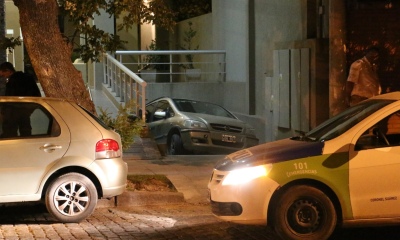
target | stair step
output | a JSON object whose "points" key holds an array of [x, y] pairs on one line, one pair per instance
{"points": [[143, 149]]}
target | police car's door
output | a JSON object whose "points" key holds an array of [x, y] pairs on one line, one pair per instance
{"points": [[374, 174]]}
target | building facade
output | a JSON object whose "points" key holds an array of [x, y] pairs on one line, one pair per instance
{"points": [[286, 60]]}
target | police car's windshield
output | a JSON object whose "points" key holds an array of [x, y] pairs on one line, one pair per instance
{"points": [[342, 122]]}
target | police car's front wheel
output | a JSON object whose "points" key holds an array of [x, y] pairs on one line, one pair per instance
{"points": [[304, 212]]}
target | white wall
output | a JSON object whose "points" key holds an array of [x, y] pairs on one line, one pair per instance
{"points": [[276, 21], [186, 90], [96, 71], [230, 29], [147, 33]]}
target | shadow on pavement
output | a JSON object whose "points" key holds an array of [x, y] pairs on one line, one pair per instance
{"points": [[25, 213]]}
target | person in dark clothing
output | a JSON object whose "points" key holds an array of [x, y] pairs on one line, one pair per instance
{"points": [[16, 119], [18, 83]]}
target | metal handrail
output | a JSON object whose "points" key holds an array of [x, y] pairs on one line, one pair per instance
{"points": [[171, 63], [125, 83], [169, 52]]}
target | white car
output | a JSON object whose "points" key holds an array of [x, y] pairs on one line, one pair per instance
{"points": [[55, 151], [344, 172]]}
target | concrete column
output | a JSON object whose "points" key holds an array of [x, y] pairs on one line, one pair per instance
{"points": [[231, 33], [95, 72], [337, 56]]}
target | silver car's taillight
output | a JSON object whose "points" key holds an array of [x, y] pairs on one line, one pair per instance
{"points": [[107, 148]]}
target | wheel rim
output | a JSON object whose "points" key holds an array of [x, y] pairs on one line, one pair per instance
{"points": [[304, 216], [172, 147], [71, 198]]}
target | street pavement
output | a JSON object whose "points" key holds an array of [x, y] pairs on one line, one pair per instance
{"points": [[138, 218], [169, 222], [188, 218]]}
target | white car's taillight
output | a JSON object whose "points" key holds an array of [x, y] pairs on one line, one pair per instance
{"points": [[107, 148]]}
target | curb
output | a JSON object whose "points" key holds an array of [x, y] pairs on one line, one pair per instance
{"points": [[142, 198]]}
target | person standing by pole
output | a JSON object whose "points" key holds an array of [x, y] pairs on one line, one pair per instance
{"points": [[363, 82]]}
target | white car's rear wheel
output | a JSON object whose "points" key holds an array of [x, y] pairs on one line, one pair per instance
{"points": [[71, 197]]}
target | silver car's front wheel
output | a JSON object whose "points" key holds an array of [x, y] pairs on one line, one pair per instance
{"points": [[71, 197], [175, 145]]}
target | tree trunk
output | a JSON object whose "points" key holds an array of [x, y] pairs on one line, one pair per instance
{"points": [[49, 54]]}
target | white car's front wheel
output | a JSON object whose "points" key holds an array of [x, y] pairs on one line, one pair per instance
{"points": [[71, 197], [304, 212]]}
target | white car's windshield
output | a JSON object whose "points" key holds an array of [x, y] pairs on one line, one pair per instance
{"points": [[342, 122], [184, 105]]}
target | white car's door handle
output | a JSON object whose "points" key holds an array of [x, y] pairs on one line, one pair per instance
{"points": [[50, 148]]}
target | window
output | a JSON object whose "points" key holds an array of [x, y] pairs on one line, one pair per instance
{"points": [[345, 120], [383, 134], [149, 112], [21, 120], [163, 107]]}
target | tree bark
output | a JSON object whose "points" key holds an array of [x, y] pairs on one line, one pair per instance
{"points": [[49, 54]]}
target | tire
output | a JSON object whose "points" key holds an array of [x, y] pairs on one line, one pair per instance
{"points": [[175, 146], [304, 212], [64, 205]]}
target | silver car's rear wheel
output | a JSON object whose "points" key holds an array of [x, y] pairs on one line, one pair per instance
{"points": [[71, 197]]}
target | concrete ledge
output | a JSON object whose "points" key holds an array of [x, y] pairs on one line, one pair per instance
{"points": [[138, 198]]}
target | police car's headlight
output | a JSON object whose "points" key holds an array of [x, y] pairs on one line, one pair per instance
{"points": [[244, 175]]}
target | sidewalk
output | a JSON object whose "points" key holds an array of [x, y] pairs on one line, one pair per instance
{"points": [[188, 173]]}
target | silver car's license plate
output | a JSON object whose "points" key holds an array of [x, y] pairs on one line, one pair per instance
{"points": [[228, 138]]}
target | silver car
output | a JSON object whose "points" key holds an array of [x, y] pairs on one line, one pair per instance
{"points": [[188, 126], [53, 150]]}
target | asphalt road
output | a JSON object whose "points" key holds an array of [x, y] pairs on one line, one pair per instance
{"points": [[183, 221], [186, 220]]}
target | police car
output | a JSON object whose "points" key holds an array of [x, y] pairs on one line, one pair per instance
{"points": [[344, 172]]}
